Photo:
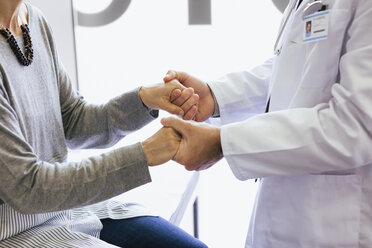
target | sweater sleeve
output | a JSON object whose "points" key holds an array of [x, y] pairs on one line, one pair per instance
{"points": [[99, 126], [96, 126], [30, 185]]}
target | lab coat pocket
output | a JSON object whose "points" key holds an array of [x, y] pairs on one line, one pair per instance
{"points": [[321, 65], [309, 211]]}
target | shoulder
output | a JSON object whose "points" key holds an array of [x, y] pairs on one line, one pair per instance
{"points": [[40, 27], [38, 20], [34, 12]]}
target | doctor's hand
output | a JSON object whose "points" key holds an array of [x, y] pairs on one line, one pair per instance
{"points": [[200, 146], [161, 147], [159, 97], [206, 102]]}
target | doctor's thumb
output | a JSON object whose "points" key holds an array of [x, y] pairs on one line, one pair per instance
{"points": [[171, 74], [179, 75], [179, 125], [175, 94]]}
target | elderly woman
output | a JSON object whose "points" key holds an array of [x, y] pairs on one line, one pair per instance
{"points": [[40, 116]]}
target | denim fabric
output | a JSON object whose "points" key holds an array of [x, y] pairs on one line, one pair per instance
{"points": [[147, 231]]}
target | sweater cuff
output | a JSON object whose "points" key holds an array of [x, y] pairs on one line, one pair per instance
{"points": [[128, 113], [134, 170], [152, 112]]}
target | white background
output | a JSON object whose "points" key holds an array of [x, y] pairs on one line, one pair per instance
{"points": [[60, 17], [138, 49]]}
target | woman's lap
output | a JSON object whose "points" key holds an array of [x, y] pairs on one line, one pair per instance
{"points": [[147, 231]]}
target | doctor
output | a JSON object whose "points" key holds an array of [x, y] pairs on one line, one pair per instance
{"points": [[313, 149]]}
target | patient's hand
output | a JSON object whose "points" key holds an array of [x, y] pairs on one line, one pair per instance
{"points": [[159, 97], [162, 146]]}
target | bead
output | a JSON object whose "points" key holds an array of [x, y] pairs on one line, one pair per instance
{"points": [[23, 58]]}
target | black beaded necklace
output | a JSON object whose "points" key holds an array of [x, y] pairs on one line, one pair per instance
{"points": [[23, 58]]}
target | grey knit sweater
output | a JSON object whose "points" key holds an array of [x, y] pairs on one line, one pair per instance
{"points": [[41, 115]]}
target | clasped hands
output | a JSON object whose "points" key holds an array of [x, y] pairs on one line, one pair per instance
{"points": [[193, 144]]}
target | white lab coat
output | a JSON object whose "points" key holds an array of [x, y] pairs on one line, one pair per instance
{"points": [[314, 149]]}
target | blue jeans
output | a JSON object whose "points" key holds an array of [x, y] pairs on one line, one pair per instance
{"points": [[146, 231]]}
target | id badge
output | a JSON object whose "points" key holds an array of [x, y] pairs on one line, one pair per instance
{"points": [[316, 27]]}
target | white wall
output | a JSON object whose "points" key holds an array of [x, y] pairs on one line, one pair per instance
{"points": [[59, 14]]}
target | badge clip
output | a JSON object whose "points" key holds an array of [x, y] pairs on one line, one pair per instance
{"points": [[313, 7]]}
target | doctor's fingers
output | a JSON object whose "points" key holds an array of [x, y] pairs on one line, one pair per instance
{"points": [[185, 95], [187, 101], [175, 94], [191, 113], [183, 128], [189, 106]]}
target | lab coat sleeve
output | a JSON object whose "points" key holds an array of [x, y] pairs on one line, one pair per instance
{"points": [[242, 94], [332, 136]]}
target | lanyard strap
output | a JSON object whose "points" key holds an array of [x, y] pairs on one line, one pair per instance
{"points": [[299, 3]]}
